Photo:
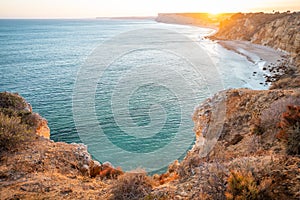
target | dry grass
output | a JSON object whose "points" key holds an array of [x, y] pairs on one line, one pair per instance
{"points": [[131, 185]]}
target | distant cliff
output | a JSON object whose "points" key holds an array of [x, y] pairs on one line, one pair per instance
{"points": [[277, 30], [196, 19]]}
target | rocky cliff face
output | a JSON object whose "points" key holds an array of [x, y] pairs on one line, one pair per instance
{"points": [[34, 167], [278, 30], [248, 148], [282, 33]]}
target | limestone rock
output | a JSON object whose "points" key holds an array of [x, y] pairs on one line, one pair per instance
{"points": [[42, 128]]}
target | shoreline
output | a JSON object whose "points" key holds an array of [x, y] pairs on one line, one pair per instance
{"points": [[274, 63], [249, 136], [271, 61], [260, 44]]}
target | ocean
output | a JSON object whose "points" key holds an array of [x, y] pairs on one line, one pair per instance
{"points": [[125, 88]]}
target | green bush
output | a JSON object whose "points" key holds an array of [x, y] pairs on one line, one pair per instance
{"points": [[132, 185]]}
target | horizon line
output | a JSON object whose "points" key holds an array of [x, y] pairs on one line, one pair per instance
{"points": [[135, 16]]}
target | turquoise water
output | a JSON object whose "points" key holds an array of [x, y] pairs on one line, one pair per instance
{"points": [[40, 59], [143, 100]]}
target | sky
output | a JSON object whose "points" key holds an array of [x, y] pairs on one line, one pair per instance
{"points": [[118, 8]]}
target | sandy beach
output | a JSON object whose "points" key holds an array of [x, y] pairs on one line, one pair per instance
{"points": [[272, 62], [255, 52]]}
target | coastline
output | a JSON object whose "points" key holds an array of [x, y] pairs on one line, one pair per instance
{"points": [[268, 59], [273, 63], [42, 168]]}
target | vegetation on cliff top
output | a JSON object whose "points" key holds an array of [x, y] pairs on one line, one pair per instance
{"points": [[16, 122]]}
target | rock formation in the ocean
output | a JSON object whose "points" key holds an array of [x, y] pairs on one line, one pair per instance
{"points": [[277, 30]]}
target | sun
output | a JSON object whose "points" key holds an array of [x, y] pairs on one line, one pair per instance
{"points": [[215, 11]]}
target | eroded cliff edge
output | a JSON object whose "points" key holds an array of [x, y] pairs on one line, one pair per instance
{"points": [[251, 155], [247, 145], [34, 167]]}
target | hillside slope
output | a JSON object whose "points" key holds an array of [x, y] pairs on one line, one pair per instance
{"points": [[248, 158], [252, 137], [278, 30]]}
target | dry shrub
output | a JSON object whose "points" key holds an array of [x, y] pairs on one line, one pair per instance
{"points": [[132, 185], [165, 178], [293, 143], [169, 176], [241, 185], [216, 174], [211, 179], [10, 100], [12, 132], [157, 197], [290, 129]]}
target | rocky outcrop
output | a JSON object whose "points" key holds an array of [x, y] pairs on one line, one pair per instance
{"points": [[277, 30], [14, 104], [42, 128], [237, 139], [248, 144], [43, 169], [34, 167]]}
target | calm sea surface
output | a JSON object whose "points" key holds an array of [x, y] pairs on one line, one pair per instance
{"points": [[40, 59]]}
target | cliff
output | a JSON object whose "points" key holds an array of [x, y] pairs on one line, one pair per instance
{"points": [[195, 19], [247, 142], [242, 150], [277, 30], [247, 146], [34, 167]]}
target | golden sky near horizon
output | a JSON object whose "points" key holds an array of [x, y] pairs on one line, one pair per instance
{"points": [[110, 8]]}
